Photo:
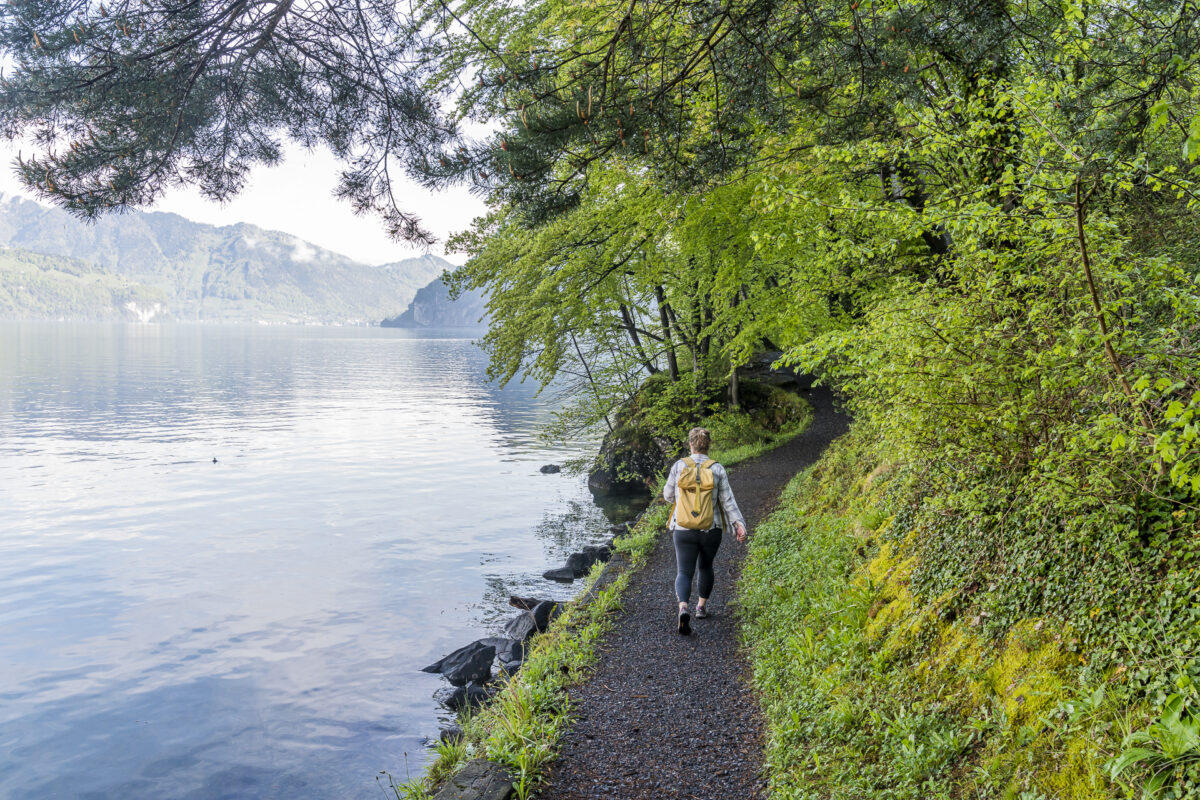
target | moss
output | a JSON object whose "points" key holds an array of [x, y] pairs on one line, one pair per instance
{"points": [[1078, 776], [1026, 676]]}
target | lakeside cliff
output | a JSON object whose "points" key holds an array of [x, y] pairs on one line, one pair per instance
{"points": [[432, 307]]}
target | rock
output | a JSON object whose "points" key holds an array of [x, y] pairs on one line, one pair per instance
{"points": [[464, 698], [513, 657], [466, 664], [523, 603], [507, 650], [551, 469], [544, 613], [452, 734], [478, 780], [536, 620], [562, 575], [597, 552], [450, 696], [579, 564], [521, 627], [629, 461]]}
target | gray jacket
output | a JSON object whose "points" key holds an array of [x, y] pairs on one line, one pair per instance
{"points": [[725, 508]]}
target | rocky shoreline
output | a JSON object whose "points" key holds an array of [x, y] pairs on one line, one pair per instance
{"points": [[476, 671], [627, 464]]}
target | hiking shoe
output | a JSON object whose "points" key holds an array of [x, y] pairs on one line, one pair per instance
{"points": [[701, 612], [685, 626]]}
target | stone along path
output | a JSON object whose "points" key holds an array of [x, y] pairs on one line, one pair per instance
{"points": [[670, 716]]}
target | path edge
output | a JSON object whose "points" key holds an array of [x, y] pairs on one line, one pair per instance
{"points": [[478, 778]]}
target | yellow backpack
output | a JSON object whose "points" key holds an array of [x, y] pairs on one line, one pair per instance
{"points": [[694, 498]]}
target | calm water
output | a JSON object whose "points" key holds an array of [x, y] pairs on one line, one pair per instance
{"points": [[172, 627]]}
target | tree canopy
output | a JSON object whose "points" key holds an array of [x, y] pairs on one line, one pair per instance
{"points": [[677, 185]]}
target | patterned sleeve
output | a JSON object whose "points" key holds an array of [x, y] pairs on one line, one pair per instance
{"points": [[729, 505], [672, 482]]}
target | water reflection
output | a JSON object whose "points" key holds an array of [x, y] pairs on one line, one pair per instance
{"points": [[254, 627]]}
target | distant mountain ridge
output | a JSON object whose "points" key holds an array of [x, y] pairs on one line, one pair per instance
{"points": [[433, 308], [194, 271]]}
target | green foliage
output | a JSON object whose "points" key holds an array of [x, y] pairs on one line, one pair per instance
{"points": [[651, 429], [977, 222], [1169, 749], [887, 668]]}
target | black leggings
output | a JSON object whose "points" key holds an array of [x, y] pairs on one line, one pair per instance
{"points": [[690, 547]]}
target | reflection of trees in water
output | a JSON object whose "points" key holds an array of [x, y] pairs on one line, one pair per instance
{"points": [[621, 507], [521, 414], [564, 531]]}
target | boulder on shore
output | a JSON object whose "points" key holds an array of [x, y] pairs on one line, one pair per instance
{"points": [[629, 461], [536, 620], [466, 664], [465, 698], [509, 652], [579, 564], [452, 735], [523, 603], [562, 575]]}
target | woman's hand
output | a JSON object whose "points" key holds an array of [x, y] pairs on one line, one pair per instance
{"points": [[741, 531]]}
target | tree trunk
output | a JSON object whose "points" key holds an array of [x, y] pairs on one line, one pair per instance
{"points": [[902, 184], [591, 380], [734, 400], [665, 320], [631, 329]]}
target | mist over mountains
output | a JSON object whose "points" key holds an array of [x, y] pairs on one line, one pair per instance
{"points": [[159, 266]]}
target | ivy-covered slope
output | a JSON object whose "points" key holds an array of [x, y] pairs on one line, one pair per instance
{"points": [[905, 649]]}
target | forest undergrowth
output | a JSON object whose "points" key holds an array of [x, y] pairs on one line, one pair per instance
{"points": [[903, 649]]}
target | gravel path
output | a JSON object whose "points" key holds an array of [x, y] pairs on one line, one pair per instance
{"points": [[670, 716]]}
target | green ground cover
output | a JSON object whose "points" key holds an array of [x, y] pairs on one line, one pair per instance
{"points": [[889, 668]]}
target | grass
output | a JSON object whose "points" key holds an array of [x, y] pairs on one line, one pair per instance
{"points": [[522, 727]]}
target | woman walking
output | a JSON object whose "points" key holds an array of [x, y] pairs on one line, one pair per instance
{"points": [[704, 506]]}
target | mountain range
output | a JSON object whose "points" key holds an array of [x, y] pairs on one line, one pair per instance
{"points": [[155, 266]]}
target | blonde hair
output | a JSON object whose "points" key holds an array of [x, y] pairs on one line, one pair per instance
{"points": [[699, 440]]}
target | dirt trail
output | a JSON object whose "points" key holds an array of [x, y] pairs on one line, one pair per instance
{"points": [[670, 716]]}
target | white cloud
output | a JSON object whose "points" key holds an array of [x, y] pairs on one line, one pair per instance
{"points": [[301, 251]]}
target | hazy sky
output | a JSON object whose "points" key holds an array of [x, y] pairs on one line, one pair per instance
{"points": [[297, 197]]}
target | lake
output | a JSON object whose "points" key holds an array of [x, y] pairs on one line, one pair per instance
{"points": [[227, 551]]}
